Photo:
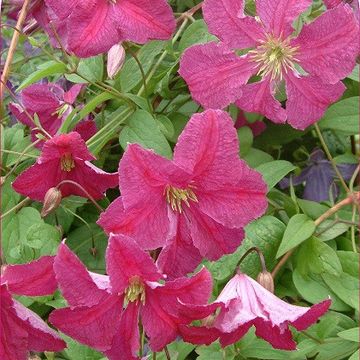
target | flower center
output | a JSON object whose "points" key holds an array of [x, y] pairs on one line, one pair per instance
{"points": [[274, 56], [67, 162], [61, 110], [176, 196], [135, 291]]}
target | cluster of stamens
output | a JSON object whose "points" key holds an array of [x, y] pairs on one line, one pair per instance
{"points": [[67, 162], [135, 291], [274, 56], [175, 197], [61, 110]]}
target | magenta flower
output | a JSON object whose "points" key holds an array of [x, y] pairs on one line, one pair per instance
{"points": [[21, 330], [311, 64], [193, 206], [247, 303], [64, 157], [105, 310], [94, 26], [52, 105]]}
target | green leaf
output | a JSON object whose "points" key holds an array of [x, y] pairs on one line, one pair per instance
{"points": [[328, 230], [335, 349], [143, 129], [343, 116], [91, 70], [299, 228], [196, 33], [46, 69], [345, 286], [355, 74], [9, 197], [355, 355], [274, 171], [312, 208], [350, 334], [313, 289], [44, 238], [166, 126], [256, 157], [178, 350], [245, 136], [75, 351], [349, 262]]}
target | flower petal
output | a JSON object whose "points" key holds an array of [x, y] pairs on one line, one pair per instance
{"points": [[234, 336], [215, 74], [198, 335], [259, 97], [33, 279], [308, 98], [93, 326], [127, 340], [71, 95], [86, 129], [278, 16], [179, 256], [124, 260], [329, 45], [75, 282], [211, 238], [226, 20]]}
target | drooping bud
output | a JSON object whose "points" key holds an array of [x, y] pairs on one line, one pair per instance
{"points": [[266, 280], [115, 60], [52, 201]]}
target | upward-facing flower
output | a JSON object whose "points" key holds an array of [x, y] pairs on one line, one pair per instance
{"points": [[21, 330], [64, 157], [311, 64], [94, 26], [193, 206], [104, 310], [52, 105]]}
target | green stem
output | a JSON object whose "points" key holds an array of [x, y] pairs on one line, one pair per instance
{"points": [[328, 154], [16, 207]]}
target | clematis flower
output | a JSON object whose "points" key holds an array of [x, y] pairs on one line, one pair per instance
{"points": [[105, 310], [94, 26], [319, 177], [21, 330], [52, 105], [246, 303], [311, 64], [193, 206], [64, 157]]}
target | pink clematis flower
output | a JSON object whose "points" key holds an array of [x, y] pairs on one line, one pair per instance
{"points": [[52, 105], [247, 303], [311, 64], [64, 157], [194, 206], [21, 330], [105, 310], [94, 26]]}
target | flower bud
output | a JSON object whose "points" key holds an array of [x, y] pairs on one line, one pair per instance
{"points": [[52, 201], [115, 60], [266, 280]]}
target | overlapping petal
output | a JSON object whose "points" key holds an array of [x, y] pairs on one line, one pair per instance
{"points": [[216, 77]]}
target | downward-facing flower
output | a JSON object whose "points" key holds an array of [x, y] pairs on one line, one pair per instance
{"points": [[104, 311], [245, 304], [94, 26], [21, 330], [52, 105], [64, 157], [311, 64], [195, 205]]}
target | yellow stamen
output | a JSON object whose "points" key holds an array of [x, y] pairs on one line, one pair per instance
{"points": [[274, 56], [175, 197], [67, 162], [135, 291]]}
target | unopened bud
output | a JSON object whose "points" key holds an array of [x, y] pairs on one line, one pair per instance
{"points": [[266, 280], [52, 201], [115, 60]]}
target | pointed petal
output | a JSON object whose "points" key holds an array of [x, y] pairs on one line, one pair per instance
{"points": [[64, 9], [127, 339], [234, 336], [144, 20], [71, 95], [308, 98], [278, 16], [21, 115], [211, 238], [179, 256], [198, 335], [33, 279], [86, 129], [190, 312], [75, 282], [226, 20], [93, 326], [40, 336], [215, 74], [329, 45], [124, 260], [259, 97]]}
